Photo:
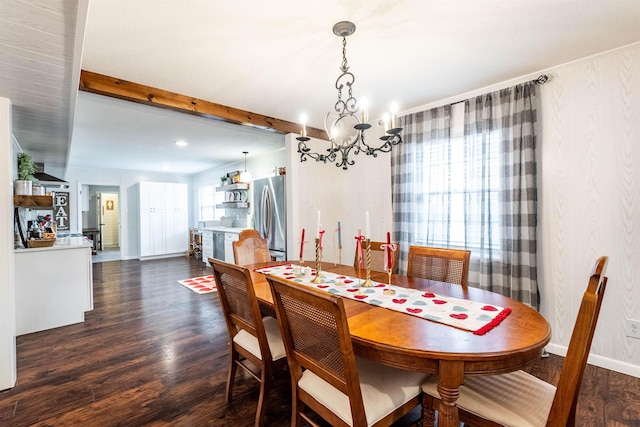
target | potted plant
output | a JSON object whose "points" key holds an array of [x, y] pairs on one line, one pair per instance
{"points": [[223, 180], [26, 169]]}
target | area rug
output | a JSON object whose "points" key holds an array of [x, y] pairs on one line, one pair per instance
{"points": [[200, 285]]}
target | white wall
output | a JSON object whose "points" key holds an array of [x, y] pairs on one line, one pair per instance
{"points": [[589, 175], [7, 260], [127, 181]]}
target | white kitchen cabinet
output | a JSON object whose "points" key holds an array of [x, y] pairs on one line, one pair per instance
{"points": [[207, 246], [54, 285], [163, 218]]}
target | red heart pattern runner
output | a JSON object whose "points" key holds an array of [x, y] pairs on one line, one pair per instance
{"points": [[476, 317]]}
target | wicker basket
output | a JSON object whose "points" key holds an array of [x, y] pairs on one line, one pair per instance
{"points": [[41, 243]]}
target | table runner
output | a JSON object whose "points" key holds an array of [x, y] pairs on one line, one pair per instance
{"points": [[476, 317]]}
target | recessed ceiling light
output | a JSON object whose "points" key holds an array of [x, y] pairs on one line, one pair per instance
{"points": [[180, 143]]}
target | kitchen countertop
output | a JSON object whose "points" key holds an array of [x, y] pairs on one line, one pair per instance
{"points": [[61, 244], [236, 230]]}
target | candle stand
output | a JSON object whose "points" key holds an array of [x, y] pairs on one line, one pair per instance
{"points": [[317, 280], [367, 282]]}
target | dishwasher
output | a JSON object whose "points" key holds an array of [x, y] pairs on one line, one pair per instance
{"points": [[218, 245]]}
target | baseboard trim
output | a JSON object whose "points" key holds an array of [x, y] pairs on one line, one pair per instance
{"points": [[600, 361]]}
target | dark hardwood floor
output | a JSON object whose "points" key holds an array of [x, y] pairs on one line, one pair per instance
{"points": [[154, 353]]}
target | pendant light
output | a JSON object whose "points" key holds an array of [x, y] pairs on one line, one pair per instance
{"points": [[245, 176]]}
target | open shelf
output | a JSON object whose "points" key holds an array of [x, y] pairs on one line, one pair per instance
{"points": [[33, 201]]}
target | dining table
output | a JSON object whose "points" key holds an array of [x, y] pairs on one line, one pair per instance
{"points": [[409, 342]]}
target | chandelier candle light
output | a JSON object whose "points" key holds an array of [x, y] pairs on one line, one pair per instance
{"points": [[345, 129]]}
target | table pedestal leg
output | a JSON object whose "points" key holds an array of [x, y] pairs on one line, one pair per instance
{"points": [[450, 378]]}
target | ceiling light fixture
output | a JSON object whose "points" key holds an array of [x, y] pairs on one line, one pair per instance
{"points": [[181, 143], [343, 126], [245, 176]]}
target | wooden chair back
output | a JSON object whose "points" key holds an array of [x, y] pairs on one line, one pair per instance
{"points": [[441, 264], [565, 401], [377, 257], [250, 248], [239, 303], [316, 337]]}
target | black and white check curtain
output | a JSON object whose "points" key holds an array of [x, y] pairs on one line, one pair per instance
{"points": [[476, 191]]}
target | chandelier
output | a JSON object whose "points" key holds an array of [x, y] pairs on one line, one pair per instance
{"points": [[344, 126]]}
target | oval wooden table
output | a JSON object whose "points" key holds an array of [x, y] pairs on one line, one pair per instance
{"points": [[416, 344]]}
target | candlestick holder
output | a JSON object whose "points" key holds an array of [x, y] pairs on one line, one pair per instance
{"points": [[339, 281], [300, 270], [389, 291], [317, 280], [367, 281]]}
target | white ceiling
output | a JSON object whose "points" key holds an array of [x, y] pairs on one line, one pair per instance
{"points": [[280, 58]]}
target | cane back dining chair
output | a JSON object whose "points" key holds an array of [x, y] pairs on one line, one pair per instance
{"points": [[520, 399], [326, 376], [377, 257], [252, 338], [250, 248], [441, 264]]}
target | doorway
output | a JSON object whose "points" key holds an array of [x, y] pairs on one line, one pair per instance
{"points": [[101, 215]]}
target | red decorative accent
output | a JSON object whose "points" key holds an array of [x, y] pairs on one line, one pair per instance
{"points": [[414, 310], [429, 295], [380, 285], [439, 301], [360, 296], [323, 286], [495, 322], [348, 281], [352, 290], [459, 316], [489, 308], [399, 300]]}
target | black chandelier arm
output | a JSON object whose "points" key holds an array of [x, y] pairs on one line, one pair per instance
{"points": [[391, 139], [305, 152]]}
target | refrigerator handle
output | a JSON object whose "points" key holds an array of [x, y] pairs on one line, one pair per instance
{"points": [[269, 215], [266, 213]]}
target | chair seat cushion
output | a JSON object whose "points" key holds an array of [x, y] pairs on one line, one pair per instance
{"points": [[512, 399], [384, 389], [250, 343]]}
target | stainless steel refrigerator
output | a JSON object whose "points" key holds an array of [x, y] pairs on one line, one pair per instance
{"points": [[270, 215]]}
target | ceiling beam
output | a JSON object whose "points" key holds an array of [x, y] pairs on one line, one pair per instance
{"points": [[135, 92]]}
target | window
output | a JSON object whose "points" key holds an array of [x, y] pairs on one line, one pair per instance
{"points": [[207, 202], [461, 184]]}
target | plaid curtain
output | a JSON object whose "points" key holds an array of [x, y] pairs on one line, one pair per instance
{"points": [[477, 191]]}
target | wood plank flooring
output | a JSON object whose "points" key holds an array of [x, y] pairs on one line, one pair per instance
{"points": [[153, 353]]}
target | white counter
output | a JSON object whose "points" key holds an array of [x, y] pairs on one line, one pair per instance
{"points": [[54, 285], [62, 243], [236, 230]]}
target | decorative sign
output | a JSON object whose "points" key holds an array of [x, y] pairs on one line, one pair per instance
{"points": [[61, 211]]}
